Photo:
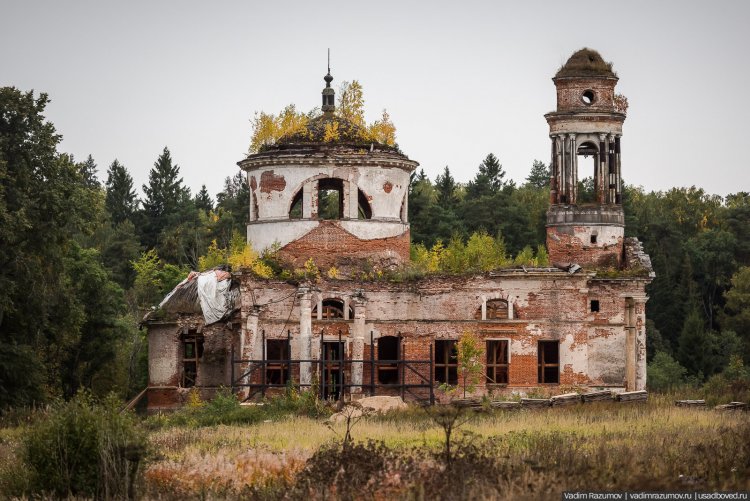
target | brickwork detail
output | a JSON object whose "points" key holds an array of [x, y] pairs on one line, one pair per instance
{"points": [[566, 248], [329, 244], [271, 182]]}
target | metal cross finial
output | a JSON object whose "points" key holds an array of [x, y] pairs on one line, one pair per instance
{"points": [[329, 60]]}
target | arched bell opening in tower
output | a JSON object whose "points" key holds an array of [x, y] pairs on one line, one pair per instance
{"points": [[588, 172]]}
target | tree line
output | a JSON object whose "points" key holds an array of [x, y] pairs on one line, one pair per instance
{"points": [[82, 258]]}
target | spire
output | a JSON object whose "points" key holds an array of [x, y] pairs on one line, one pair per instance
{"points": [[328, 93]]}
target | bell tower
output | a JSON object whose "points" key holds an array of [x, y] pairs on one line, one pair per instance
{"points": [[587, 123]]}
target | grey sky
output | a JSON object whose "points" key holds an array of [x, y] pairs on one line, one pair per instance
{"points": [[460, 79]]}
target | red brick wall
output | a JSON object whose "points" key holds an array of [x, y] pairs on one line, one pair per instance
{"points": [[566, 248], [569, 93], [329, 245]]}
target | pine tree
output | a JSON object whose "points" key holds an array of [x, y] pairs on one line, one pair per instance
{"points": [[88, 172], [539, 175], [164, 196], [489, 179], [446, 188], [203, 200], [121, 201]]}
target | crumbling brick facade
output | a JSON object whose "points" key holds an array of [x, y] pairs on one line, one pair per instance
{"points": [[579, 323]]}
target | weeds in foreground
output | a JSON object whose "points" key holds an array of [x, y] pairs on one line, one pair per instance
{"points": [[495, 455], [225, 409], [82, 447]]}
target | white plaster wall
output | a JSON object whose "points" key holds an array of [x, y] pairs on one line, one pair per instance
{"points": [[370, 179], [606, 355], [163, 355], [574, 354], [606, 235], [263, 235]]}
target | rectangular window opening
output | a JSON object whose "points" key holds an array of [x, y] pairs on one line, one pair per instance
{"points": [[548, 362], [388, 355], [192, 351], [446, 361], [497, 361], [277, 356], [594, 305]]}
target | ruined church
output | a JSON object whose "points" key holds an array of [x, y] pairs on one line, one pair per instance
{"points": [[576, 325]]}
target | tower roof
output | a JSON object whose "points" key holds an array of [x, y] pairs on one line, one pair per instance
{"points": [[586, 63]]}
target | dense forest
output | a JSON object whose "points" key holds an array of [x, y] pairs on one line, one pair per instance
{"points": [[83, 258]]}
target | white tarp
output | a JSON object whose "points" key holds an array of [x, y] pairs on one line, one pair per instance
{"points": [[212, 294]]}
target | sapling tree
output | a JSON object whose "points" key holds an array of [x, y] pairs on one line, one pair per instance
{"points": [[469, 361]]}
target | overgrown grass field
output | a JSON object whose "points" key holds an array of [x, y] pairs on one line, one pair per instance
{"points": [[292, 451]]}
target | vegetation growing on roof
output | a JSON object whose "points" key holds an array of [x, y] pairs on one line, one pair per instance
{"points": [[345, 125], [586, 63]]}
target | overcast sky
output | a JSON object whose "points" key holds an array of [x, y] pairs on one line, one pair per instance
{"points": [[460, 79]]}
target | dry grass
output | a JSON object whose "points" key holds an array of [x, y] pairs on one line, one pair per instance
{"points": [[649, 439]]}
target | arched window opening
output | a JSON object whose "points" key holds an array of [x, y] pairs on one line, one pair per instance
{"points": [[332, 309], [588, 162], [404, 209], [497, 309], [295, 210], [330, 198], [364, 211], [388, 354]]}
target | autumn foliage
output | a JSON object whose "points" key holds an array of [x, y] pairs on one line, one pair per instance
{"points": [[346, 124]]}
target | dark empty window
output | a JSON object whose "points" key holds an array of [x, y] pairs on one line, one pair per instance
{"points": [[446, 361], [497, 362], [594, 305], [332, 309], [295, 210], [588, 97], [192, 351], [330, 199], [277, 357], [548, 361], [364, 211], [388, 353], [497, 309], [593, 239]]}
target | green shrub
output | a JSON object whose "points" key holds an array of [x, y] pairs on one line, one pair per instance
{"points": [[225, 409], [665, 373], [84, 448], [733, 384]]}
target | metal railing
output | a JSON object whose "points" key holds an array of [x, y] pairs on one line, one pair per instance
{"points": [[414, 376]]}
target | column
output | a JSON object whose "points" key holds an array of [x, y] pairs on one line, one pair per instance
{"points": [[309, 195], [618, 194], [553, 191], [358, 341], [250, 345], [351, 202], [630, 345], [640, 340], [573, 170], [601, 168], [305, 331], [612, 171], [562, 183]]}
